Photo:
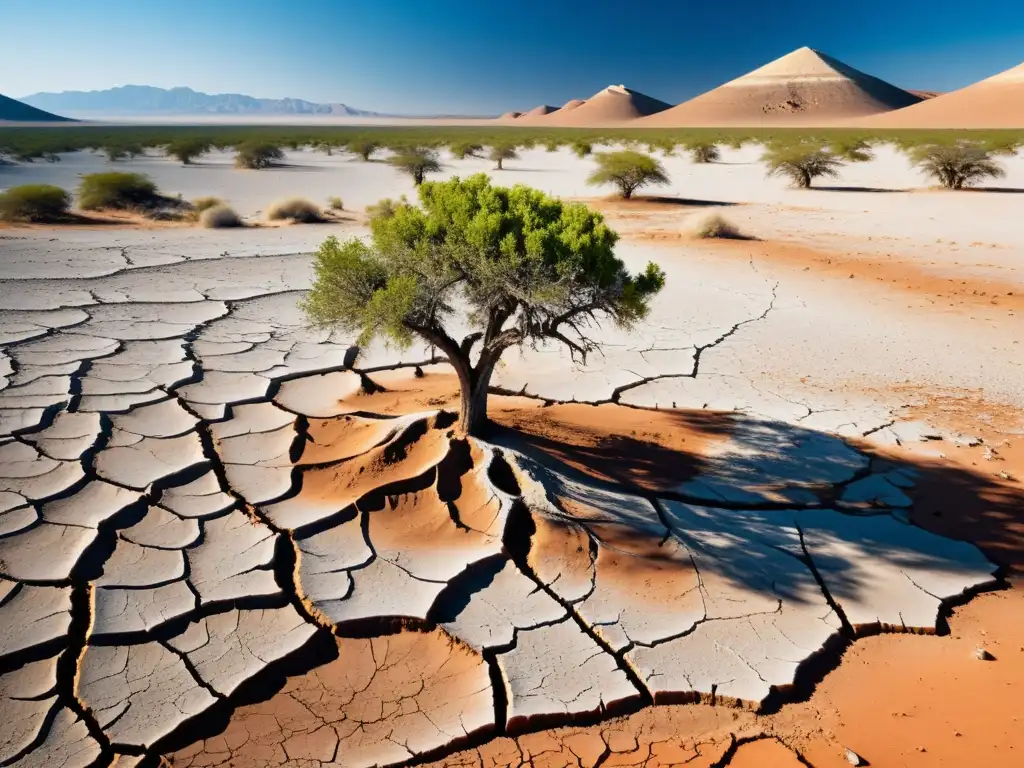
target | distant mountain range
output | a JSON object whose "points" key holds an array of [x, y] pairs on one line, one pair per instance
{"points": [[145, 100]]}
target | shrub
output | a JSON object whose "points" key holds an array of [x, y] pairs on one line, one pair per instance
{"points": [[119, 191], [552, 145], [628, 170], [219, 217], [363, 147], [34, 202], [187, 150], [257, 155], [801, 164], [465, 149], [417, 163], [335, 203], [714, 226], [582, 148], [704, 152], [958, 165], [294, 209]]}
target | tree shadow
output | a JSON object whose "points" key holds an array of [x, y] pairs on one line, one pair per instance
{"points": [[997, 190], [859, 189]]}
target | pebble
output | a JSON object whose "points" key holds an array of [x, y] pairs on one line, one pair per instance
{"points": [[982, 655]]}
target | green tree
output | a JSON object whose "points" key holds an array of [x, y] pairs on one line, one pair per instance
{"points": [[363, 147], [521, 266], [417, 163], [117, 191], [502, 152], [801, 164], [187, 150], [628, 170], [956, 166], [257, 154]]}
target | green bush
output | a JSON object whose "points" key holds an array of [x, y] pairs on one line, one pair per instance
{"points": [[119, 191], [365, 148], [582, 148], [201, 204], [957, 166], [465, 149], [628, 170], [335, 203], [294, 209], [34, 202], [257, 155], [703, 152]]}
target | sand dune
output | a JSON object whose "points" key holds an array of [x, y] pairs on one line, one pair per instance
{"points": [[802, 87], [996, 102], [615, 104]]}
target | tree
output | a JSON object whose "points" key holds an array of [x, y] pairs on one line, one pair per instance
{"points": [[628, 170], [187, 150], [363, 147], [464, 149], [704, 152], [502, 152], [956, 166], [417, 163], [521, 266], [801, 164], [256, 155], [582, 148]]}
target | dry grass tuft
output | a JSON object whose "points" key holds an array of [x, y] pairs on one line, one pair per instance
{"points": [[220, 216], [296, 209], [714, 226]]}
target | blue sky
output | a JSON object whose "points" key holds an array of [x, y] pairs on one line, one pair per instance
{"points": [[485, 56]]}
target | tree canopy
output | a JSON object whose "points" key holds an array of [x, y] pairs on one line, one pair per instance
{"points": [[801, 164], [519, 266], [958, 165], [628, 170], [417, 162]]}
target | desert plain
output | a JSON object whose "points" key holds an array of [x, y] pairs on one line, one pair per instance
{"points": [[778, 524]]}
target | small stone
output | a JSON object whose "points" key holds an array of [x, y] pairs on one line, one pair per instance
{"points": [[921, 749], [853, 758], [982, 655], [957, 734]]}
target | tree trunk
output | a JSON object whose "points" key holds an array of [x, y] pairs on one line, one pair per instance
{"points": [[805, 180], [627, 193], [499, 165], [474, 384]]}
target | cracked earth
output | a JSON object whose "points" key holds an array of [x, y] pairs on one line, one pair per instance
{"points": [[229, 540]]}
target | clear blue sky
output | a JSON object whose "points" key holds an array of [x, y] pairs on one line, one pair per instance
{"points": [[485, 56]]}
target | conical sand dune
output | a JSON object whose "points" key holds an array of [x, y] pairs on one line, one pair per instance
{"points": [[18, 112], [615, 104], [572, 104], [996, 102], [543, 109], [802, 87]]}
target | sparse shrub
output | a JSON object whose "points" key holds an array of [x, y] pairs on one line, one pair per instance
{"points": [[417, 163], [382, 209], [464, 149], [294, 209], [257, 155], [855, 150], [365, 148], [502, 152], [113, 153], [956, 166], [34, 202], [714, 226], [582, 148], [628, 170], [187, 150], [335, 203], [118, 191], [1003, 145], [552, 145], [801, 164], [219, 216], [704, 152]]}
